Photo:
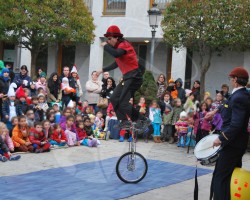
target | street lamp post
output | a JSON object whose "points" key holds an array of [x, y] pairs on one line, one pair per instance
{"points": [[154, 18]]}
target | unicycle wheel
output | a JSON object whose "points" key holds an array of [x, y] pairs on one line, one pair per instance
{"points": [[131, 167]]}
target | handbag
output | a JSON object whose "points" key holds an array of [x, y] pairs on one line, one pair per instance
{"points": [[102, 103]]}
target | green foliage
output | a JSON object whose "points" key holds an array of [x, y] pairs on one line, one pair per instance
{"points": [[45, 21], [148, 88], [207, 26], [37, 23], [214, 24]]}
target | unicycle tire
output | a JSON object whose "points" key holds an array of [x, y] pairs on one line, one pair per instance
{"points": [[131, 167]]}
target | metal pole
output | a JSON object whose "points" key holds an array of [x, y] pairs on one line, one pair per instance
{"points": [[152, 50]]}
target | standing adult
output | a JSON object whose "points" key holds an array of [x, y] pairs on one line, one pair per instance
{"points": [[12, 74], [23, 78], [93, 88], [162, 86], [196, 90], [78, 85], [105, 76], [4, 86], [234, 136], [54, 88], [181, 91], [126, 60], [66, 97]]}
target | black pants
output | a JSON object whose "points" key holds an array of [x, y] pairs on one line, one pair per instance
{"points": [[229, 158], [121, 96]]}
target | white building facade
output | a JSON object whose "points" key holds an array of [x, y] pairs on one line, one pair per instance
{"points": [[132, 18]]}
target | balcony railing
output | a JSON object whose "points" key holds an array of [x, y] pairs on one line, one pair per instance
{"points": [[89, 4], [114, 7], [161, 4]]}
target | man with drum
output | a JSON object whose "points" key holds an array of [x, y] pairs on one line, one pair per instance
{"points": [[234, 136]]}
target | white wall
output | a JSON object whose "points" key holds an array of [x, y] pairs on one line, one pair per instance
{"points": [[52, 60], [220, 68]]}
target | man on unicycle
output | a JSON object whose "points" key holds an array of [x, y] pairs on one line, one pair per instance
{"points": [[126, 60]]}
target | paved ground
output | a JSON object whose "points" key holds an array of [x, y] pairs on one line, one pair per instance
{"points": [[164, 152]]}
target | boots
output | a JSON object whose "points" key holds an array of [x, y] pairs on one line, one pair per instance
{"points": [[171, 140], [156, 139], [159, 139]]}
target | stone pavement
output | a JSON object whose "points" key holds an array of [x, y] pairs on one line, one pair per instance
{"points": [[112, 148]]}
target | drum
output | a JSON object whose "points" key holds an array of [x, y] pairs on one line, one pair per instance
{"points": [[205, 152]]}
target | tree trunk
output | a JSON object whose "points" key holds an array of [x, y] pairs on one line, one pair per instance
{"points": [[204, 69], [34, 54]]}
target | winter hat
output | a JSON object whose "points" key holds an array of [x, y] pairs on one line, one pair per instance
{"points": [[5, 70], [171, 80], [20, 92], [239, 72], [1, 64], [183, 114], [74, 69], [43, 74], [11, 92], [70, 104], [169, 107], [113, 31], [208, 94]]}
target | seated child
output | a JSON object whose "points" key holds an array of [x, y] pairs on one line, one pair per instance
{"points": [[88, 129], [30, 116], [5, 152], [14, 122], [58, 136], [4, 133], [38, 139], [47, 128], [38, 111], [70, 131], [20, 136], [182, 129], [83, 137], [113, 127]]}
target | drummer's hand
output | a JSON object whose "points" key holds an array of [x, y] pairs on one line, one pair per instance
{"points": [[210, 115], [217, 142]]}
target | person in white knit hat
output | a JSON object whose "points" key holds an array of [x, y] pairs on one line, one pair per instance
{"points": [[75, 76], [182, 129], [10, 108]]}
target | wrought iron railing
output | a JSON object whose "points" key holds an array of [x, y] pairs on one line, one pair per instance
{"points": [[161, 4], [114, 7]]}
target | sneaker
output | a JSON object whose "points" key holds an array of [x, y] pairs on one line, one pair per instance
{"points": [[38, 150], [3, 158], [121, 139], [130, 139], [15, 157]]}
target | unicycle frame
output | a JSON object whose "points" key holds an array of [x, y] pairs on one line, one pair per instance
{"points": [[133, 155]]}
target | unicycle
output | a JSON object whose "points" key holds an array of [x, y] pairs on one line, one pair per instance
{"points": [[131, 167]]}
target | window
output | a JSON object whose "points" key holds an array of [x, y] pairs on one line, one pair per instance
{"points": [[89, 4], [114, 7], [161, 4]]}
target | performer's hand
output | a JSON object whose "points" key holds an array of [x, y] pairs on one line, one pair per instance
{"points": [[103, 44], [98, 72], [217, 142]]}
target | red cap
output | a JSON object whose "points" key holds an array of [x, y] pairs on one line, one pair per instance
{"points": [[239, 72], [20, 92], [113, 31]]}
